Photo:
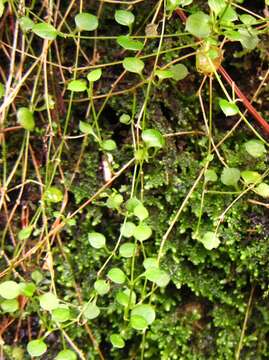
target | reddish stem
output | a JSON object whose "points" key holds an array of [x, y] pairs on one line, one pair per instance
{"points": [[263, 123]]}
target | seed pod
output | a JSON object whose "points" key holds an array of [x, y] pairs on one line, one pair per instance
{"points": [[208, 59]]}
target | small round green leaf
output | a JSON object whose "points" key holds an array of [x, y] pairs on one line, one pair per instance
{"points": [[127, 250], [133, 64], [108, 145], [26, 119], [263, 190], [97, 240], [36, 347], [94, 75], [179, 71], [114, 201], [127, 229], [116, 275], [53, 195], [210, 240], [150, 263], [217, 6], [26, 23], [79, 85], [142, 232], [138, 322], [210, 175], [230, 176], [37, 276], [132, 203], [27, 289], [251, 177], [117, 341], [157, 276], [146, 311], [10, 306], [123, 298], [9, 289], [85, 128], [198, 24], [129, 44], [229, 108], [124, 17], [66, 355], [102, 287], [164, 74], [125, 119], [86, 21], [25, 233], [60, 314], [91, 311], [153, 138], [48, 301], [255, 148], [45, 31], [141, 212]]}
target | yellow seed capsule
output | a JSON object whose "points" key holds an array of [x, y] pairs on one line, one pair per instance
{"points": [[208, 59]]}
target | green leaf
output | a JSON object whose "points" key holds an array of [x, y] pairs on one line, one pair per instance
{"points": [[27, 289], [142, 232], [60, 314], [153, 138], [141, 212], [150, 262], [251, 177], [217, 6], [262, 190], [2, 90], [230, 176], [146, 311], [25, 233], [127, 229], [124, 17], [37, 276], [48, 301], [36, 347], [102, 287], [133, 65], [125, 119], [85, 128], [10, 306], [210, 240], [228, 15], [210, 175], [66, 355], [117, 341], [45, 31], [116, 275], [97, 240], [248, 38], [255, 148], [179, 71], [229, 108], [132, 203], [94, 75], [77, 85], [91, 311], [114, 201], [138, 322], [9, 289], [123, 298], [247, 19], [53, 195], [164, 74], [2, 7], [198, 24], [26, 119], [129, 44], [157, 276], [26, 23], [127, 250], [86, 21], [108, 145]]}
